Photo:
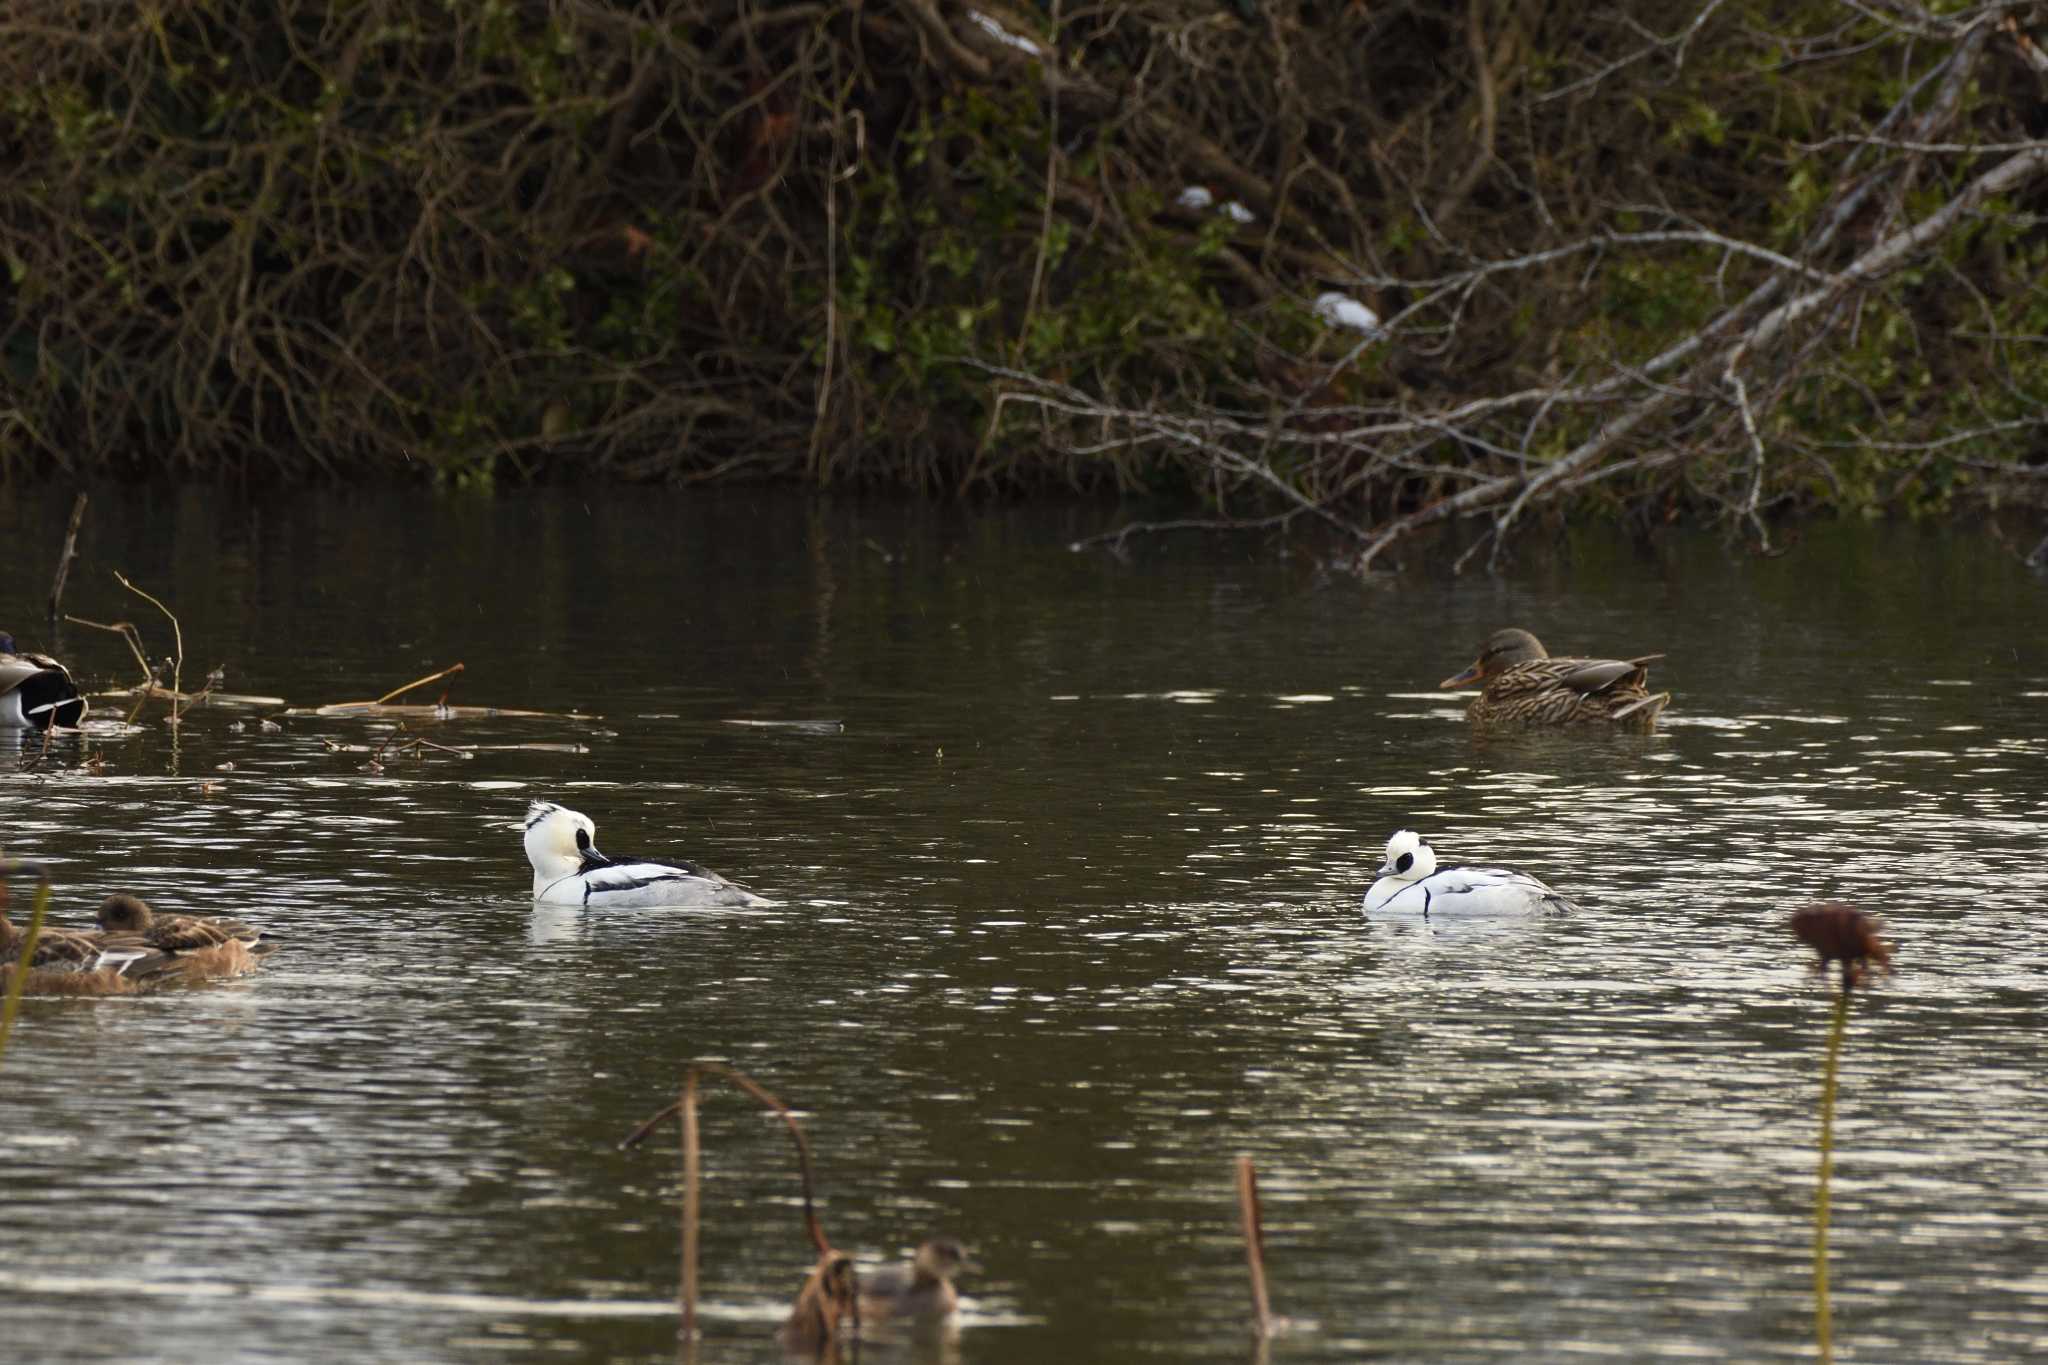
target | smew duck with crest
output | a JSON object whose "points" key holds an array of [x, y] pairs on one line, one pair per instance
{"points": [[568, 870], [1411, 883]]}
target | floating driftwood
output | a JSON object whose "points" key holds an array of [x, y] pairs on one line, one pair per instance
{"points": [[376, 710], [418, 745], [830, 1295], [384, 708], [206, 696], [803, 727]]}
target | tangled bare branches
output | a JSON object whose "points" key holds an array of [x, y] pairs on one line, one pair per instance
{"points": [[1380, 267], [1804, 341]]}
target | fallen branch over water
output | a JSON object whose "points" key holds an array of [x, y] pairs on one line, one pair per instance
{"points": [[385, 708]]}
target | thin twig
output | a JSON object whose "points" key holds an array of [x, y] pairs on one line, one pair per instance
{"points": [[1254, 1244], [127, 631], [422, 682], [69, 553], [177, 637]]}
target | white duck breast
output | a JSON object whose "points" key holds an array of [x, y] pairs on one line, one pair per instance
{"points": [[1410, 883], [568, 870]]}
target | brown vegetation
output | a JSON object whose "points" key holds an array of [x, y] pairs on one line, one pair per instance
{"points": [[1686, 256]]}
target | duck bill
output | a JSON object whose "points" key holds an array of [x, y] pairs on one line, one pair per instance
{"points": [[1465, 679]]}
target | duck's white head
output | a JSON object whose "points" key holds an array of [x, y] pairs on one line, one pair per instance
{"points": [[1409, 857], [557, 839]]}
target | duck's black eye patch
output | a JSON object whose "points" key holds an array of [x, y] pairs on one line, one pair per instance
{"points": [[583, 838], [1404, 862]]}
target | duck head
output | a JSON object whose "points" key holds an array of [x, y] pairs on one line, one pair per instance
{"points": [[1503, 650], [558, 841], [1409, 857], [123, 913], [942, 1258]]}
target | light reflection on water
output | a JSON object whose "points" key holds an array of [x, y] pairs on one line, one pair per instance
{"points": [[1069, 915]]}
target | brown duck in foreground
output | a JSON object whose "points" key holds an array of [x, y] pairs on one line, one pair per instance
{"points": [[75, 962], [1520, 684], [203, 949]]}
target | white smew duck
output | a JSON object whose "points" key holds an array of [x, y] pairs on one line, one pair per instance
{"points": [[1411, 883], [568, 870], [35, 691]]}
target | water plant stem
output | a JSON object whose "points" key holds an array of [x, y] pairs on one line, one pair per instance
{"points": [[1254, 1244], [692, 1204], [19, 980], [1822, 1326]]}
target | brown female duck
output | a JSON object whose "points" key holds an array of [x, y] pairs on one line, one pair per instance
{"points": [[203, 948], [74, 962], [1520, 684], [921, 1290]]}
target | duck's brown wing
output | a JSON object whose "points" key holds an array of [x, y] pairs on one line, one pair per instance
{"points": [[188, 933], [1601, 675], [67, 950]]}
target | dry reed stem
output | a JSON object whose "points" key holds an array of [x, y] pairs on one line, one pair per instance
{"points": [[18, 981], [1254, 1245], [1823, 1323], [693, 1202], [450, 671], [825, 1275], [127, 631], [69, 553], [177, 637]]}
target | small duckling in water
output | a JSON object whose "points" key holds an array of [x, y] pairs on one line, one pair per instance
{"points": [[921, 1290]]}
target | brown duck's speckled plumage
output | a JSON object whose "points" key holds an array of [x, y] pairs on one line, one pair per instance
{"points": [[1521, 684], [75, 962], [202, 948]]}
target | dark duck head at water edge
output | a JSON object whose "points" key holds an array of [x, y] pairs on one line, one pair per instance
{"points": [[1521, 684], [36, 691]]}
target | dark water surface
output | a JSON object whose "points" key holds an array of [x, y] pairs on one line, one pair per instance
{"points": [[1069, 916]]}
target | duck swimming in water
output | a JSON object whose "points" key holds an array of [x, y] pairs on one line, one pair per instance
{"points": [[77, 962], [568, 870], [1520, 684], [1411, 883], [203, 948], [36, 691], [922, 1289]]}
